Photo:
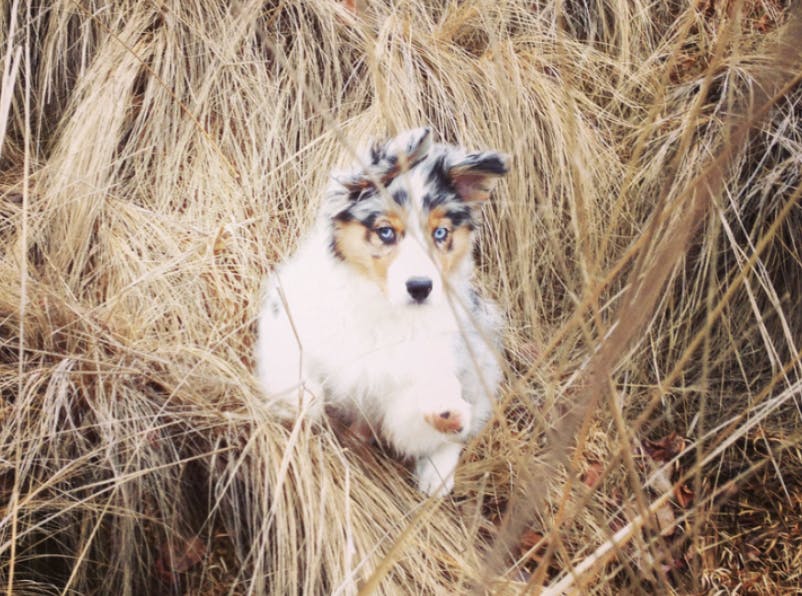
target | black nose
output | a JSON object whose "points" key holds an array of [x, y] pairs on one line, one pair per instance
{"points": [[419, 288]]}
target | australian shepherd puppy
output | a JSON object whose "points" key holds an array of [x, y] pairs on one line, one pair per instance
{"points": [[375, 316]]}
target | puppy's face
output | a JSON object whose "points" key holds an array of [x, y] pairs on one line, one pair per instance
{"points": [[406, 219]]}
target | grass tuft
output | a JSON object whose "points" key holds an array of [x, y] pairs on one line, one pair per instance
{"points": [[157, 159]]}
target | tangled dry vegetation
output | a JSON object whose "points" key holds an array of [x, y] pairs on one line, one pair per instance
{"points": [[158, 158]]}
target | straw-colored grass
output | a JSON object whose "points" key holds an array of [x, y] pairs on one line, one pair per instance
{"points": [[158, 158]]}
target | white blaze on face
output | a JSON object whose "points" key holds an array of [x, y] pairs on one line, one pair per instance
{"points": [[411, 259], [413, 263]]}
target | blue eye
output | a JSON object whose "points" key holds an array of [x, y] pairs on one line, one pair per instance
{"points": [[440, 234], [386, 234]]}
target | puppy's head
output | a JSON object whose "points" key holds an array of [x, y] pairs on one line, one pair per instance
{"points": [[405, 218]]}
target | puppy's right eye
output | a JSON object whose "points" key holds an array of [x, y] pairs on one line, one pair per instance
{"points": [[440, 234], [386, 234]]}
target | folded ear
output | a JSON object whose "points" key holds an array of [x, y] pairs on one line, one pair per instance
{"points": [[475, 175], [386, 160]]}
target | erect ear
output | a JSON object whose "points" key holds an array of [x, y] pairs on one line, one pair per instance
{"points": [[386, 160], [410, 146], [475, 175]]}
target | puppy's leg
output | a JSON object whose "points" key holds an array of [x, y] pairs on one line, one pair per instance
{"points": [[361, 429], [283, 372], [435, 472], [303, 400], [419, 419]]}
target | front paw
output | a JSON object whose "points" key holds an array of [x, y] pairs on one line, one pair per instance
{"points": [[435, 471], [431, 482], [424, 416]]}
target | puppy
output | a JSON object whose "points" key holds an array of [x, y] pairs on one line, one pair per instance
{"points": [[375, 315]]}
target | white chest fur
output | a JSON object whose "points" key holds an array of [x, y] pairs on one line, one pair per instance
{"points": [[353, 341]]}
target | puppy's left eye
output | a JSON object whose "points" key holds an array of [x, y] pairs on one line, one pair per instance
{"points": [[440, 234], [386, 234]]}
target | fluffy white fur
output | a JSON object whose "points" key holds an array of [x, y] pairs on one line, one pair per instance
{"points": [[330, 336]]}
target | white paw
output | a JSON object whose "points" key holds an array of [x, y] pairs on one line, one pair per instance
{"points": [[431, 482], [435, 471]]}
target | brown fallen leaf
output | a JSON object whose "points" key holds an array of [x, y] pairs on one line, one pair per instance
{"points": [[593, 474], [530, 539], [664, 449], [179, 556]]}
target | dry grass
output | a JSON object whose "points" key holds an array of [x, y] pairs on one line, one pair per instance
{"points": [[157, 158]]}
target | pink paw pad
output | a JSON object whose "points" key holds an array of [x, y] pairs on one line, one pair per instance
{"points": [[445, 422]]}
